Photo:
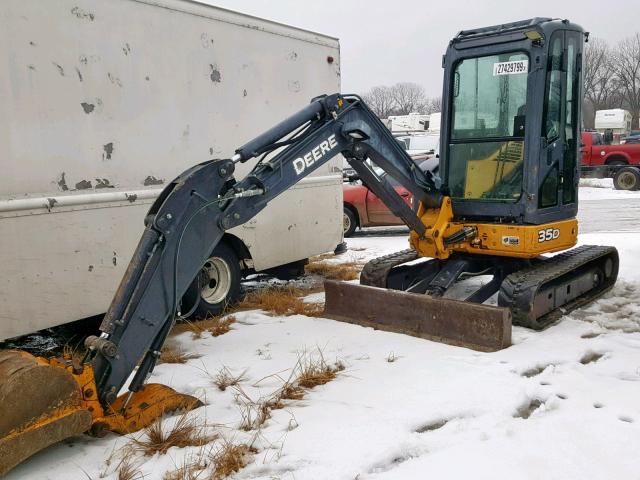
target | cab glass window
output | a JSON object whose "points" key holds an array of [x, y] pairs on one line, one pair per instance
{"points": [[569, 184], [486, 148]]}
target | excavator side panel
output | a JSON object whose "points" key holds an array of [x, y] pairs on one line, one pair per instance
{"points": [[498, 239]]}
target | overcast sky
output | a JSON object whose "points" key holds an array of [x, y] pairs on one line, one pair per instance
{"points": [[384, 42]]}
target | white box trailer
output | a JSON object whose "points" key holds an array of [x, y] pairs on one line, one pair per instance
{"points": [[412, 122], [434, 122], [104, 102]]}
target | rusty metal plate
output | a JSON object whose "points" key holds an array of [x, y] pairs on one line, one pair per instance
{"points": [[454, 322]]}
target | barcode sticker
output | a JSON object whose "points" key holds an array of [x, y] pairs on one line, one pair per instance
{"points": [[511, 68]]}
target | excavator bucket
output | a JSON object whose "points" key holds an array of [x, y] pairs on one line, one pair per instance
{"points": [[44, 401], [41, 405], [454, 322]]}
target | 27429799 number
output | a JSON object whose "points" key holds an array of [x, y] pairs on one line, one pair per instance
{"points": [[511, 68]]}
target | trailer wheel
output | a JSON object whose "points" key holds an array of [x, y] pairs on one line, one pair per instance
{"points": [[216, 286], [627, 178], [349, 222]]}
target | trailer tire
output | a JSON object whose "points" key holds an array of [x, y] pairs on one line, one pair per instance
{"points": [[216, 286], [349, 221], [627, 178]]}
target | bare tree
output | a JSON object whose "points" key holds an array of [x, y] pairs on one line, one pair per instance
{"points": [[408, 97], [400, 99], [600, 80], [380, 100], [627, 67], [433, 104]]}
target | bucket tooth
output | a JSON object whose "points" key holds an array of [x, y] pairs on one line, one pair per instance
{"points": [[142, 408], [454, 322]]}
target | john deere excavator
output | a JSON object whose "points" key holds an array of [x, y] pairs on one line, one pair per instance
{"points": [[507, 195]]}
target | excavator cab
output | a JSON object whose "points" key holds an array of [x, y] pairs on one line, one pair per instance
{"points": [[511, 119]]}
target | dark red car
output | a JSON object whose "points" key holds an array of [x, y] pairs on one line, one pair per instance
{"points": [[362, 208]]}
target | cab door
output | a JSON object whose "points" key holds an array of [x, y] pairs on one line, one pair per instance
{"points": [[558, 164]]}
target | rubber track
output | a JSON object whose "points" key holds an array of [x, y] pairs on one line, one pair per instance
{"points": [[516, 289], [375, 271]]}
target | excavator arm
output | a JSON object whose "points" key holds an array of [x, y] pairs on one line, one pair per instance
{"points": [[190, 216], [182, 228]]}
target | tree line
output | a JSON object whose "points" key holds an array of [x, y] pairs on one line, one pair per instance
{"points": [[611, 80], [611, 77], [401, 99]]}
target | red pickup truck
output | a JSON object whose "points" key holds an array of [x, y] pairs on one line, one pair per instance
{"points": [[620, 162]]}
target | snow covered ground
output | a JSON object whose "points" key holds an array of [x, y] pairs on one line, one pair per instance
{"points": [[602, 189], [563, 403]]}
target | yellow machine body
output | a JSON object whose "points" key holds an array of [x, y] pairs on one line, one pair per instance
{"points": [[500, 239]]}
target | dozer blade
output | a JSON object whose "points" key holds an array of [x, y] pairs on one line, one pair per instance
{"points": [[41, 405], [454, 322]]}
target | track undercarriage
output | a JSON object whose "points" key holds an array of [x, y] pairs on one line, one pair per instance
{"points": [[530, 293]]}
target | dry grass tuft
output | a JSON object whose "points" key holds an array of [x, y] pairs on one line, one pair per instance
{"points": [[185, 472], [230, 458], [193, 468], [172, 354], [225, 379], [335, 271], [281, 301], [290, 391], [309, 372], [227, 459], [221, 325], [185, 432], [253, 413], [323, 256], [216, 326], [316, 371], [127, 471]]}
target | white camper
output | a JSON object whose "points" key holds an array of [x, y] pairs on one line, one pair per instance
{"points": [[616, 120], [104, 102]]}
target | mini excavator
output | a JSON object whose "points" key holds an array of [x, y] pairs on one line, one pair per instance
{"points": [[506, 197]]}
